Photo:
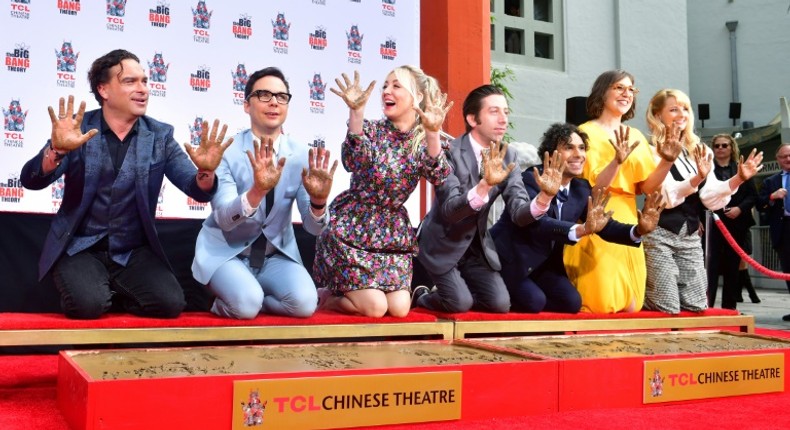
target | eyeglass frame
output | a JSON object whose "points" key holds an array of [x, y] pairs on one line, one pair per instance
{"points": [[720, 145], [620, 88], [260, 93]]}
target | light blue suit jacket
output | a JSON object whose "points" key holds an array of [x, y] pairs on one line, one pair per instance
{"points": [[227, 232]]}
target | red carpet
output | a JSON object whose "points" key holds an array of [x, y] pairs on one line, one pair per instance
{"points": [[28, 321], [515, 316], [27, 401]]}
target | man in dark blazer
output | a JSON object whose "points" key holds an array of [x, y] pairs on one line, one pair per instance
{"points": [[775, 203], [455, 246], [531, 256], [102, 246]]}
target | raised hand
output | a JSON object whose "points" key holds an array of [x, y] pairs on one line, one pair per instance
{"points": [[650, 213], [751, 166], [318, 180], [66, 133], [549, 181], [433, 116], [265, 173], [704, 160], [208, 155], [493, 170], [352, 93], [597, 217], [622, 148], [672, 145]]}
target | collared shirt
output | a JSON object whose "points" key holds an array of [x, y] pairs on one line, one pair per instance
{"points": [[115, 145], [476, 202]]}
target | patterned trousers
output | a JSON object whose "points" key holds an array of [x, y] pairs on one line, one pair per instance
{"points": [[676, 277]]}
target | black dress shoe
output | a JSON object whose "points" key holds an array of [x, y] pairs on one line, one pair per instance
{"points": [[755, 299], [786, 317]]}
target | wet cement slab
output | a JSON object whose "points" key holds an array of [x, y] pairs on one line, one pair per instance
{"points": [[177, 362], [629, 345]]}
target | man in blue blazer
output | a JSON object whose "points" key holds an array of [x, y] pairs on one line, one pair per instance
{"points": [[102, 247], [246, 252], [775, 203], [531, 256]]}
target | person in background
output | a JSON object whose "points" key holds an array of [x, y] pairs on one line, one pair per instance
{"points": [[611, 277], [246, 252], [531, 256], [456, 248], [773, 200], [737, 217], [363, 262], [675, 264], [102, 248]]}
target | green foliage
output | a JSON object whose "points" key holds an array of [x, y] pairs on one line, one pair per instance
{"points": [[499, 79]]}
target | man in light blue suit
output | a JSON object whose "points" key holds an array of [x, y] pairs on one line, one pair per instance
{"points": [[102, 247], [246, 252]]}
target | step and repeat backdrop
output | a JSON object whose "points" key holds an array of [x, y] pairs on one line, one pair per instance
{"points": [[198, 55]]}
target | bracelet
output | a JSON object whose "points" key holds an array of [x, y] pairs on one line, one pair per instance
{"points": [[317, 207], [58, 156]]}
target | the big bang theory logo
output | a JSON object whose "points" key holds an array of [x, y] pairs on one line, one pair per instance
{"points": [[18, 60], [159, 16], [200, 80], [317, 39], [242, 29], [11, 191], [69, 7]]}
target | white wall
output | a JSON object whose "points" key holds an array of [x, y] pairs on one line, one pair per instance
{"points": [[763, 57], [646, 37]]}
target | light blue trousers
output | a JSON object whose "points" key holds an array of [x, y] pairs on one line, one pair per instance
{"points": [[281, 287]]}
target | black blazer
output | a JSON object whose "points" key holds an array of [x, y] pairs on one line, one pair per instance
{"points": [[529, 247], [745, 199], [772, 208]]}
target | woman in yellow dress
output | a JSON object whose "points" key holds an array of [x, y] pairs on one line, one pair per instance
{"points": [[610, 277]]}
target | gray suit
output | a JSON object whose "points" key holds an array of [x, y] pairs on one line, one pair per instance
{"points": [[227, 233], [455, 246]]}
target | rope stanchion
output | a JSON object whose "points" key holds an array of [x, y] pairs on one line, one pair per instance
{"points": [[746, 257]]}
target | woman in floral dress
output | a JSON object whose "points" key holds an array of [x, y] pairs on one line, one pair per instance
{"points": [[364, 258]]}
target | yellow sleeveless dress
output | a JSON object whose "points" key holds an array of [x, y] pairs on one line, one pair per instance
{"points": [[611, 277]]}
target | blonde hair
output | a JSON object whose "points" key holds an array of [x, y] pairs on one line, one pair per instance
{"points": [[417, 83], [735, 152], [657, 128]]}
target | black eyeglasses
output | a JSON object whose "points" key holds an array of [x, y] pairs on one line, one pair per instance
{"points": [[721, 145], [266, 96]]}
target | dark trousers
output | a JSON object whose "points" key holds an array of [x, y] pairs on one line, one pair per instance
{"points": [[545, 289], [90, 283], [471, 284], [784, 249], [724, 261]]}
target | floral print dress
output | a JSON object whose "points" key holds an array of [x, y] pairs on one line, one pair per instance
{"points": [[370, 241]]}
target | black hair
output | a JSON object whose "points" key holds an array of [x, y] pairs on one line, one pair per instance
{"points": [[558, 134], [99, 72], [474, 101], [268, 71]]}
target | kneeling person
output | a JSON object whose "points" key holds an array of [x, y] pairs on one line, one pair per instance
{"points": [[246, 251], [531, 256]]}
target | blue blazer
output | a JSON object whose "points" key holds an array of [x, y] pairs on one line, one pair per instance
{"points": [[773, 209], [227, 232], [158, 155], [529, 247]]}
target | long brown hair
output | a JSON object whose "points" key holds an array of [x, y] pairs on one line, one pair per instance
{"points": [[602, 84]]}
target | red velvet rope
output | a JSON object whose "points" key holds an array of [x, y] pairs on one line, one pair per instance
{"points": [[746, 257]]}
